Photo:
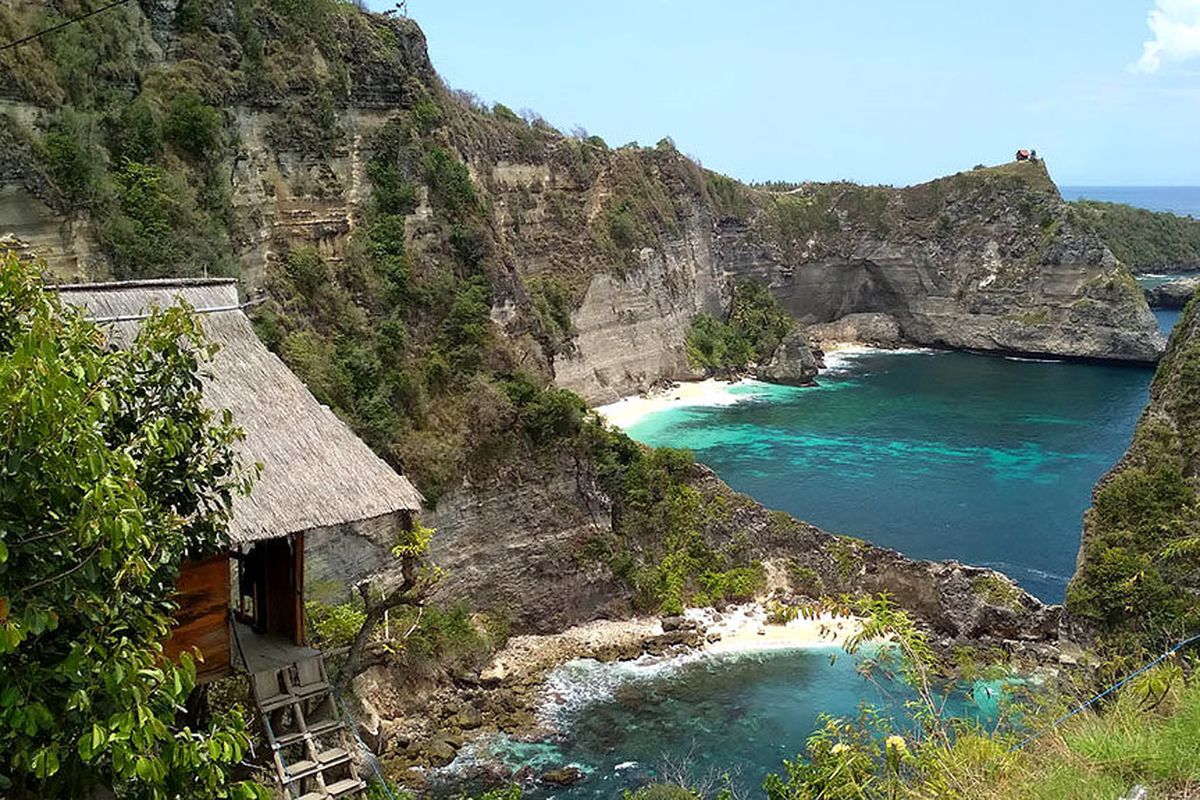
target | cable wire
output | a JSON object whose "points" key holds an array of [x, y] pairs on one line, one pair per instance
{"points": [[1082, 707], [60, 26]]}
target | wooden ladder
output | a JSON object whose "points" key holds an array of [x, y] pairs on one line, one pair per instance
{"points": [[311, 746]]}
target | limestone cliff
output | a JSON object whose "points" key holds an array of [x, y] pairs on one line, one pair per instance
{"points": [[599, 257], [989, 260], [423, 255], [543, 573]]}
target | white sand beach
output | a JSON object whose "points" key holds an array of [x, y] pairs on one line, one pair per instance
{"points": [[745, 628], [712, 392]]}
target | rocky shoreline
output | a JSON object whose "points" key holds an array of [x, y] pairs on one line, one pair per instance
{"points": [[506, 695], [510, 693]]}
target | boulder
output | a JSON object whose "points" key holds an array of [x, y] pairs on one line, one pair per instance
{"points": [[794, 362], [1174, 294], [566, 776], [468, 717], [439, 752]]}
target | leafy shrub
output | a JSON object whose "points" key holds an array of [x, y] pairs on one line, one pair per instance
{"points": [[757, 325], [554, 415], [333, 626], [307, 270], [117, 470], [501, 111], [393, 191], [139, 136], [465, 327], [72, 154], [450, 187], [623, 228], [156, 229], [192, 125]]}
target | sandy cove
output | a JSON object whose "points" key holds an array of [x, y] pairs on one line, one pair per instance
{"points": [[628, 411], [737, 629]]}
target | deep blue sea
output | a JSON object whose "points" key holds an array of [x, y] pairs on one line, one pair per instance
{"points": [[937, 454], [1182, 200]]}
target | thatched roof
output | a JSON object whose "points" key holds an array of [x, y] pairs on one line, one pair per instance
{"points": [[316, 472]]}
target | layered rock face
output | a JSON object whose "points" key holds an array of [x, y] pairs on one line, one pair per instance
{"points": [[988, 260], [521, 548], [632, 241]]}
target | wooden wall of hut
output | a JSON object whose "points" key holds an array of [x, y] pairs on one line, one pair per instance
{"points": [[203, 617]]}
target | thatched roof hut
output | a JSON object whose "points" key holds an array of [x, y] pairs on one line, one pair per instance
{"points": [[324, 509], [315, 472]]}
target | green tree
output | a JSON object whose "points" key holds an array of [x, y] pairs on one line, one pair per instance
{"points": [[192, 125], [112, 472]]}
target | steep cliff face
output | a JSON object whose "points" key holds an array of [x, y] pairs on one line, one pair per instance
{"points": [[1138, 572], [989, 260], [542, 570], [602, 256]]}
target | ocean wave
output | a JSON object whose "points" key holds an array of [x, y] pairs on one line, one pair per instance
{"points": [[1010, 569], [844, 359], [1031, 360], [492, 749], [572, 688]]}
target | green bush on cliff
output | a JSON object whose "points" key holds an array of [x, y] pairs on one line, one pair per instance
{"points": [[757, 324], [72, 154], [659, 546], [1144, 240], [1138, 572], [192, 125]]}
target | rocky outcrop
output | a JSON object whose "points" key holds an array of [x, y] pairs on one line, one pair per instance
{"points": [[794, 362], [520, 546], [872, 329], [1173, 294], [988, 260], [512, 546]]}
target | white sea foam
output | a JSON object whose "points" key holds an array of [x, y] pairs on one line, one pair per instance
{"points": [[1034, 360], [841, 360], [629, 411], [573, 687]]}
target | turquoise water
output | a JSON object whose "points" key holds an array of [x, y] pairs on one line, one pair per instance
{"points": [[628, 724], [937, 454], [1167, 317]]}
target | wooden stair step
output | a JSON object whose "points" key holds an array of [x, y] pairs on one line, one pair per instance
{"points": [[314, 796], [333, 756], [310, 689], [345, 787], [286, 739], [302, 769], [279, 701], [325, 726]]}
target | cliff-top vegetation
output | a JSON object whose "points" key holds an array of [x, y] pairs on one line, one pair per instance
{"points": [[1145, 240]]}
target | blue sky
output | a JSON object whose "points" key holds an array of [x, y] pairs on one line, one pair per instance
{"points": [[878, 91]]}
